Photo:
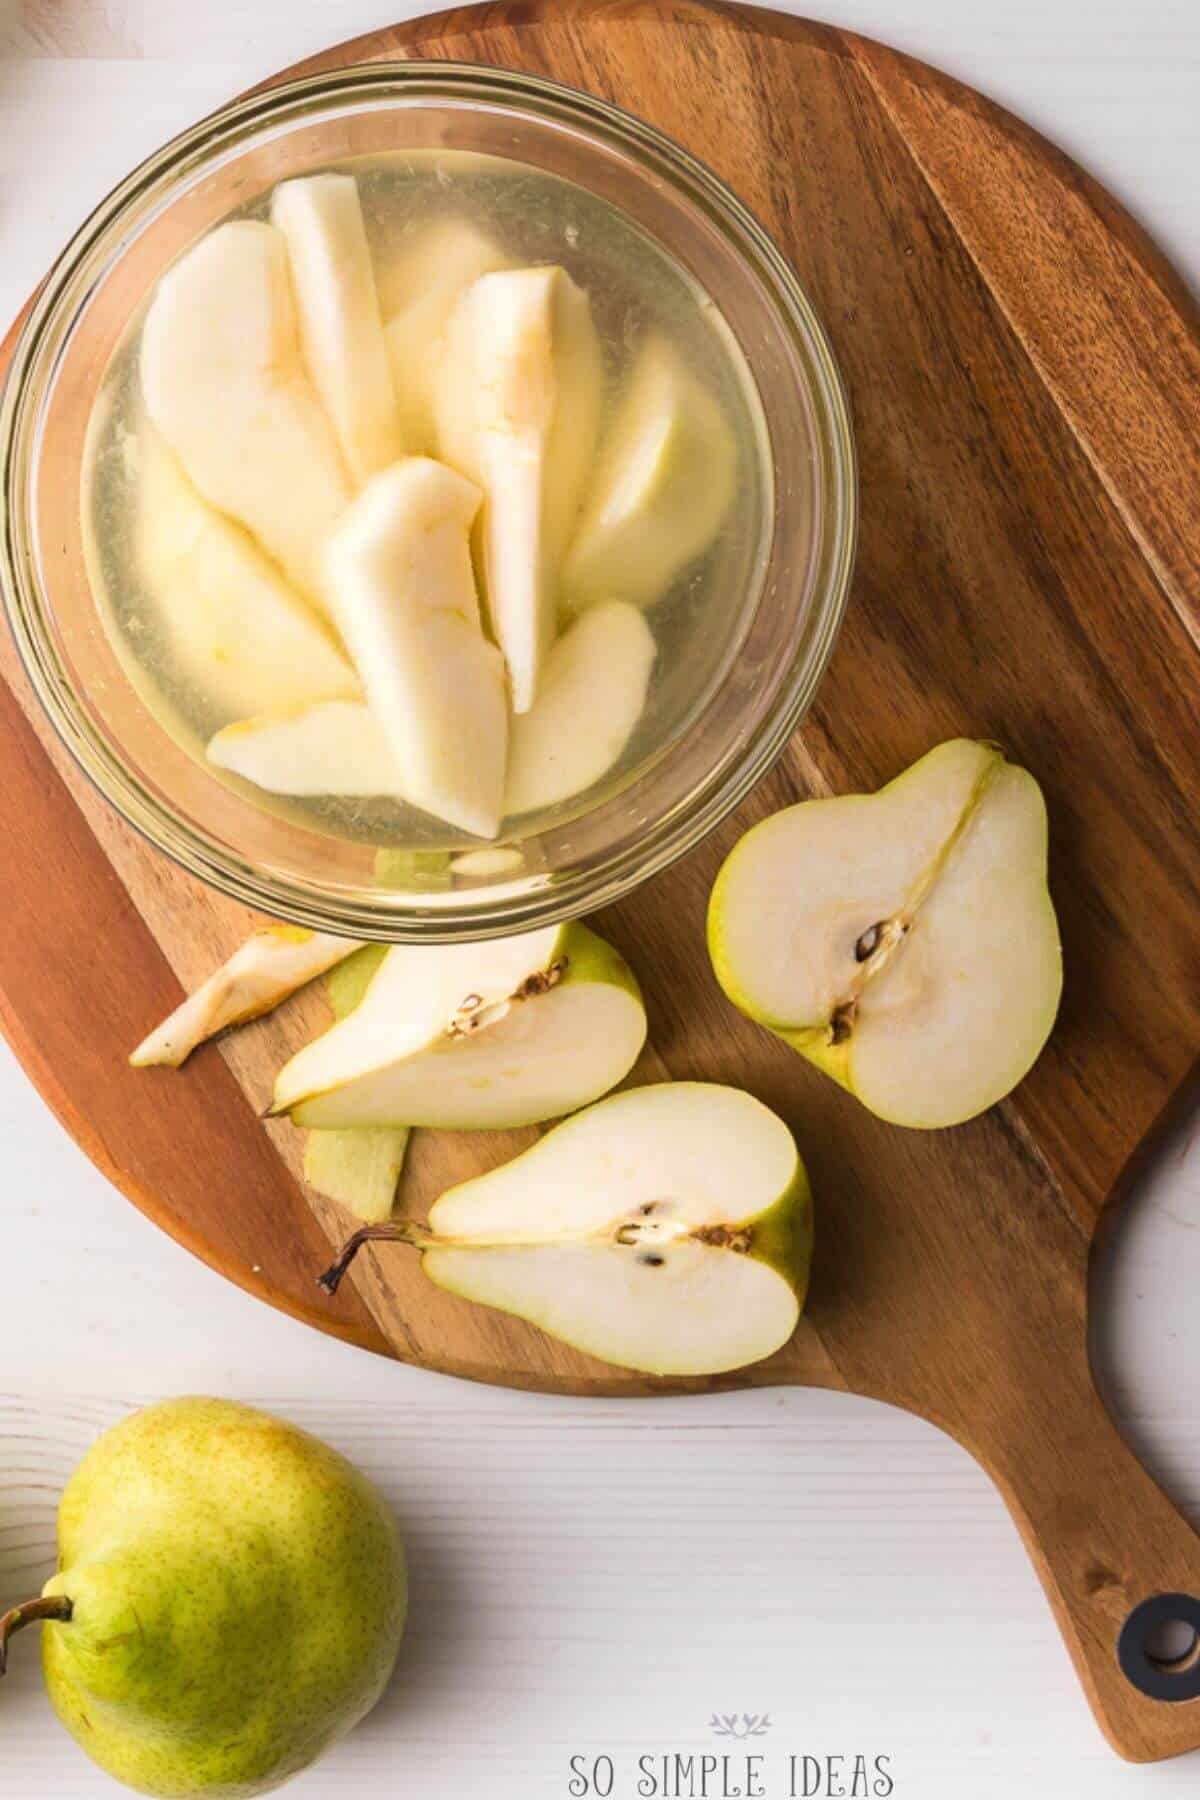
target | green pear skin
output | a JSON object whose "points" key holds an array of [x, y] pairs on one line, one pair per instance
{"points": [[238, 1593]]}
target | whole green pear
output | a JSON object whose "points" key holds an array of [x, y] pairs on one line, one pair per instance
{"points": [[237, 1595]]}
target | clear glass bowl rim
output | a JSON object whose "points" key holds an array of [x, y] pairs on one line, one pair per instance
{"points": [[568, 893]]}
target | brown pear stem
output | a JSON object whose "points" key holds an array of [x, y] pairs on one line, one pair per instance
{"points": [[644, 1230], [50, 1606], [399, 1231]]}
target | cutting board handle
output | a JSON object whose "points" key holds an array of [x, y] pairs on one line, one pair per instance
{"points": [[1117, 1559]]}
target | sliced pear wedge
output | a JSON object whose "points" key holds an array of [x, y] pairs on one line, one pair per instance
{"points": [[590, 699], [234, 624], [420, 287], [904, 941], [667, 1229], [335, 747], [399, 578], [341, 331], [359, 1169], [474, 1037], [264, 970], [663, 488], [519, 395], [225, 384]]}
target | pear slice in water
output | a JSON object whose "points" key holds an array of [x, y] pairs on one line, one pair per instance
{"points": [[419, 287], [225, 383], [667, 1229], [359, 1169], [519, 395], [474, 1036], [335, 747], [663, 487], [269, 966], [234, 625], [590, 699], [400, 582], [904, 941], [341, 332]]}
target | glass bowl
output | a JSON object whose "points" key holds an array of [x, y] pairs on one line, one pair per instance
{"points": [[281, 865]]}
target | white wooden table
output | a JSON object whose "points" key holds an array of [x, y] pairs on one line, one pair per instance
{"points": [[593, 1578]]}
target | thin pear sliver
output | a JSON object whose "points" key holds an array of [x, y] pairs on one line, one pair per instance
{"points": [[262, 972]]}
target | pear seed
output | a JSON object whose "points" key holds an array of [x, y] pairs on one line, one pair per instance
{"points": [[869, 942], [842, 1022]]}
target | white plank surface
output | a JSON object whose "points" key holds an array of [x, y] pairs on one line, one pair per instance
{"points": [[594, 1577]]}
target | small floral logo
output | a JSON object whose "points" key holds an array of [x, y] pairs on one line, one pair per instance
{"points": [[748, 1726]]}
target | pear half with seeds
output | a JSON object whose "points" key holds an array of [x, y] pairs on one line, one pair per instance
{"points": [[904, 941], [474, 1036], [666, 1229]]}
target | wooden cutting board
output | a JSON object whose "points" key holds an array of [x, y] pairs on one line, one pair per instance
{"points": [[1024, 370]]}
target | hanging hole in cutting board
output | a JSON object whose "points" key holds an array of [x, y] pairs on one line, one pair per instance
{"points": [[1173, 1646], [1159, 1647]]}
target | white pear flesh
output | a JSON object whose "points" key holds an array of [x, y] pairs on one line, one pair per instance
{"points": [[519, 397], [233, 623], [906, 940], [663, 488], [590, 699], [420, 286], [337, 747], [263, 971], [474, 1037], [360, 1170], [341, 331], [225, 383], [399, 578], [706, 1186]]}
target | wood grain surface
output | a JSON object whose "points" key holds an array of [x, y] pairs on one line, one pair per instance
{"points": [[1024, 371]]}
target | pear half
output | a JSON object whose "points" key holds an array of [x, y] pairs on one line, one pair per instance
{"points": [[667, 1229], [225, 383], [904, 941], [663, 486], [519, 394], [341, 332], [474, 1037], [400, 582]]}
